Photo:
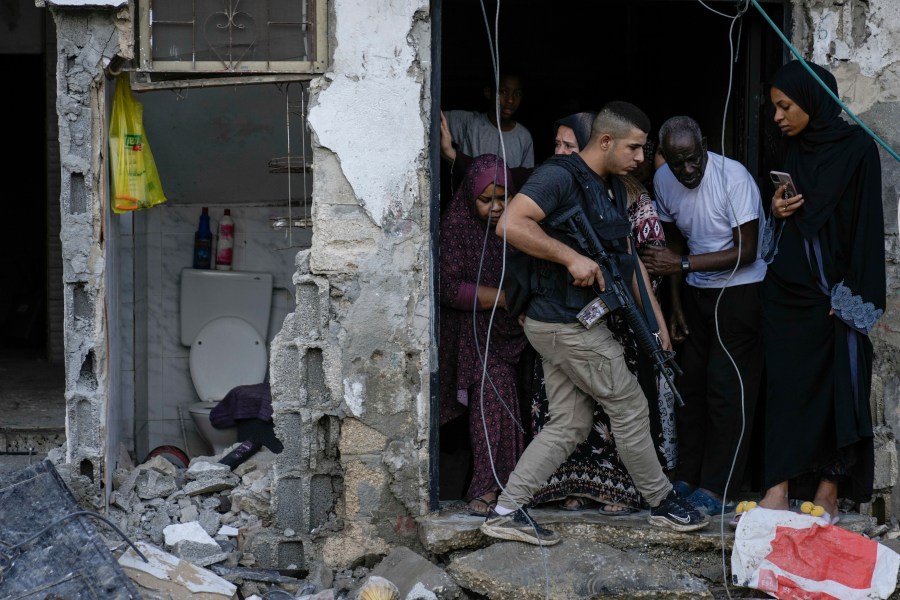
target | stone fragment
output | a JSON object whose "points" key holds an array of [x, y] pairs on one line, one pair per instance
{"points": [[172, 576], [407, 570], [572, 569]]}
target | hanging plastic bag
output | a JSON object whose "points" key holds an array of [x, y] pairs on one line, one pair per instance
{"points": [[801, 557], [135, 180]]}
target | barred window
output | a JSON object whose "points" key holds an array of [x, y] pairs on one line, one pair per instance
{"points": [[232, 36]]}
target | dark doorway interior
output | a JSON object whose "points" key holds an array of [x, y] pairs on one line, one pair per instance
{"points": [[23, 248], [669, 57], [32, 399]]}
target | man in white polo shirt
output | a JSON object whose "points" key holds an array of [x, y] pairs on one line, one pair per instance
{"points": [[713, 217]]}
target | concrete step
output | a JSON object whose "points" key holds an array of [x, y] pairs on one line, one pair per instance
{"points": [[453, 533]]}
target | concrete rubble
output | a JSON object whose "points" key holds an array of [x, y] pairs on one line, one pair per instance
{"points": [[202, 526]]}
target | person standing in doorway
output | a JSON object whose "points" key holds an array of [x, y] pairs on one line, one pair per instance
{"points": [[472, 333], [824, 292], [593, 477], [712, 215], [583, 363]]}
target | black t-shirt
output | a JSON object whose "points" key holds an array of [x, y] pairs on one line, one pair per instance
{"points": [[554, 189]]}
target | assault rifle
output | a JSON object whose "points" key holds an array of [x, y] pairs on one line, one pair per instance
{"points": [[618, 295]]}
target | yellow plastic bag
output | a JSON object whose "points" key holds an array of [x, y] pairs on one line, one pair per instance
{"points": [[135, 180]]}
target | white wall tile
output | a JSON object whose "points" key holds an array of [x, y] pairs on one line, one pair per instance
{"points": [[178, 389]]}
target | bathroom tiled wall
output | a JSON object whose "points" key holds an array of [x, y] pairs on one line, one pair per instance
{"points": [[163, 246], [120, 308]]}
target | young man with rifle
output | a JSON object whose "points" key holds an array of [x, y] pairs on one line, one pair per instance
{"points": [[570, 216]]}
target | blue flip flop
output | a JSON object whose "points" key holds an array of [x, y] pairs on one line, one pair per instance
{"points": [[705, 503]]}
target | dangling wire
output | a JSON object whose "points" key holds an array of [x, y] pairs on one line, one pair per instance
{"points": [[733, 57], [494, 43], [290, 165], [290, 174]]}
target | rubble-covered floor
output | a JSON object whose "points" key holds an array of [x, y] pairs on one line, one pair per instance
{"points": [[32, 407], [211, 518]]}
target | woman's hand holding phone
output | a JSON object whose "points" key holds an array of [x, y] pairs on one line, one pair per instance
{"points": [[786, 200]]}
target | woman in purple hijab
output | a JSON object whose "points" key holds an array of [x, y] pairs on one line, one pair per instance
{"points": [[471, 262]]}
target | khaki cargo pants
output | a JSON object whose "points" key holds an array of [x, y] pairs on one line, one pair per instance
{"points": [[582, 366]]}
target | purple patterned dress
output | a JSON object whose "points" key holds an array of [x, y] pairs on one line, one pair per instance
{"points": [[467, 243]]}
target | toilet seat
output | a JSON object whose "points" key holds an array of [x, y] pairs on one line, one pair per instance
{"points": [[227, 352]]}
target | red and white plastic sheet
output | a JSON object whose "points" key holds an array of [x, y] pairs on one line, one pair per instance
{"points": [[795, 556]]}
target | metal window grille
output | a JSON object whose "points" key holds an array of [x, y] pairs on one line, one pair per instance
{"points": [[232, 36]]}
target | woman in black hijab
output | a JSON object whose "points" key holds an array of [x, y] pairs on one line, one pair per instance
{"points": [[823, 293], [573, 132]]}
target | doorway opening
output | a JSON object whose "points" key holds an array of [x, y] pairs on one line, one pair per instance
{"points": [[669, 57], [32, 396]]}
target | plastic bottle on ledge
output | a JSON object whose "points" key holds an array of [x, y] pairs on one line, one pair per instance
{"points": [[203, 243], [225, 247]]}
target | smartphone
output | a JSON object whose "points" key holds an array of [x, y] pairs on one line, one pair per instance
{"points": [[779, 178]]}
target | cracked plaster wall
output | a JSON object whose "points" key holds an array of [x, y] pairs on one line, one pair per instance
{"points": [[859, 41], [86, 42], [350, 368]]}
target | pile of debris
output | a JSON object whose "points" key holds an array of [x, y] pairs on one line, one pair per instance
{"points": [[200, 531], [208, 515]]}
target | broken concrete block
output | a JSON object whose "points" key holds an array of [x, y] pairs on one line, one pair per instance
{"points": [[187, 531], [199, 553], [210, 521], [210, 485], [152, 484], [407, 570], [572, 569], [420, 592], [202, 470], [228, 530], [178, 578], [189, 513], [160, 465]]}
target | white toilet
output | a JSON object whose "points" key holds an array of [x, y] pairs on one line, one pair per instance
{"points": [[224, 318]]}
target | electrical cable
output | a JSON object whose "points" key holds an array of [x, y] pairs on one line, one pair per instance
{"points": [[495, 59], [9, 552], [737, 264], [834, 96]]}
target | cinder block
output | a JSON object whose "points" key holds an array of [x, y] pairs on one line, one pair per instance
{"points": [[291, 504]]}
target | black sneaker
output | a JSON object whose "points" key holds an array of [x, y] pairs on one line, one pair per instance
{"points": [[519, 527], [677, 513]]}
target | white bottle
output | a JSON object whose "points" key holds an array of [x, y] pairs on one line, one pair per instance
{"points": [[226, 242]]}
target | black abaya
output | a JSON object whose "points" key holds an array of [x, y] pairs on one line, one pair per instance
{"points": [[830, 256]]}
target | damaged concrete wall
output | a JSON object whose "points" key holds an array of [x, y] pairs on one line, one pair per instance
{"points": [[350, 368], [86, 42], [859, 41]]}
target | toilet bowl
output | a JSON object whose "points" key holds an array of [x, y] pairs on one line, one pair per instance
{"points": [[224, 315], [226, 353], [219, 439]]}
